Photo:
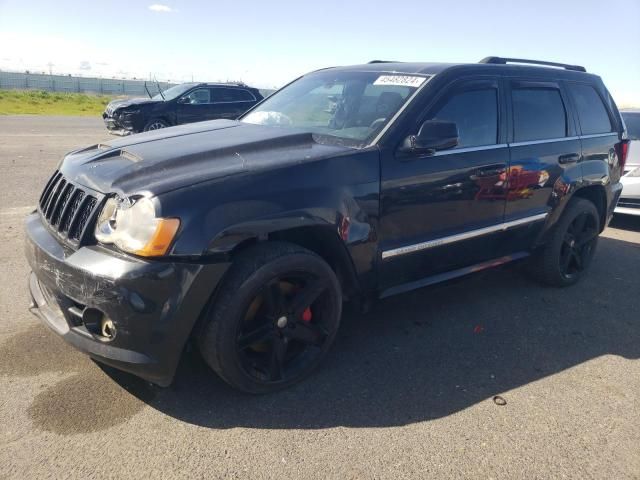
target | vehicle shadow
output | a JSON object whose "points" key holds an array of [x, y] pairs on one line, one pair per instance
{"points": [[433, 352]]}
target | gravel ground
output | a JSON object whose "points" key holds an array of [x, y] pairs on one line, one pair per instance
{"points": [[407, 392]]}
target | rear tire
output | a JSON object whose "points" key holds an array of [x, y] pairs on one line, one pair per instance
{"points": [[273, 319], [565, 258]]}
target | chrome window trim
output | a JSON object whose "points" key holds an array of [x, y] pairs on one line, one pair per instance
{"points": [[597, 135], [562, 139], [469, 149], [548, 140], [428, 78], [461, 236]]}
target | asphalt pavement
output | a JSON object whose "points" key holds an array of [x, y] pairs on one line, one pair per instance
{"points": [[407, 392]]}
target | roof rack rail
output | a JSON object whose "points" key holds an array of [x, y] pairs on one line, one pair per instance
{"points": [[504, 61], [382, 61]]}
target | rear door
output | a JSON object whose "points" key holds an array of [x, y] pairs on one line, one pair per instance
{"points": [[230, 102], [544, 153]]}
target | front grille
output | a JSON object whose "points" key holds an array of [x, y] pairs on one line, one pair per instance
{"points": [[67, 209], [629, 202]]}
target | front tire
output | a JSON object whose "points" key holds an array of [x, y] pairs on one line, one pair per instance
{"points": [[155, 124], [565, 258], [273, 319]]}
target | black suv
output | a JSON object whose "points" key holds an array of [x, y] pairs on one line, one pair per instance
{"points": [[185, 103], [347, 184]]}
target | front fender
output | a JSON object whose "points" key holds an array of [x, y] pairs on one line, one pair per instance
{"points": [[337, 194]]}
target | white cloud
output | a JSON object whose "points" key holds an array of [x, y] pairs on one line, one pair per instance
{"points": [[157, 7]]}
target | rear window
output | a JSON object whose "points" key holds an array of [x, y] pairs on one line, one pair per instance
{"points": [[538, 114], [592, 113], [632, 121]]}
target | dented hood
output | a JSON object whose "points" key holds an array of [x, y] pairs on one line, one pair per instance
{"points": [[171, 158], [114, 105]]}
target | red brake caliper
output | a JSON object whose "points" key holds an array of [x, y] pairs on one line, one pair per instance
{"points": [[307, 315]]}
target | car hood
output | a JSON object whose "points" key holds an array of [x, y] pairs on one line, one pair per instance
{"points": [[163, 160], [114, 105]]}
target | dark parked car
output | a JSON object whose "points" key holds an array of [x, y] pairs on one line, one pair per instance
{"points": [[185, 103], [350, 183]]}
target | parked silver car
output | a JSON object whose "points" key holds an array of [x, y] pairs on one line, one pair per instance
{"points": [[629, 202]]}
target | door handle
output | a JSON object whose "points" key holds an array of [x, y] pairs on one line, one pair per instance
{"points": [[489, 172], [569, 158]]}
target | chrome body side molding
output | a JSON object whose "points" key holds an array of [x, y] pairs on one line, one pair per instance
{"points": [[461, 236]]}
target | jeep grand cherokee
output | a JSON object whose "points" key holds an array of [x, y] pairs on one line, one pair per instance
{"points": [[349, 183]]}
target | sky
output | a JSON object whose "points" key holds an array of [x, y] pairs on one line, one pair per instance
{"points": [[267, 44]]}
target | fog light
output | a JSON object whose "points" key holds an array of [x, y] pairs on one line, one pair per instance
{"points": [[107, 328]]}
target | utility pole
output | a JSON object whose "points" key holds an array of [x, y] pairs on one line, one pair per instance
{"points": [[50, 65]]}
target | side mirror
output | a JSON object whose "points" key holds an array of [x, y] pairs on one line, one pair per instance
{"points": [[433, 135], [184, 100]]}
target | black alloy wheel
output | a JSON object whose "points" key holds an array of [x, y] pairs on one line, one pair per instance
{"points": [[273, 319], [577, 245], [567, 254], [284, 330]]}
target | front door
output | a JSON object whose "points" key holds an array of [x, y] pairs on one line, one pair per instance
{"points": [[196, 106], [443, 211]]}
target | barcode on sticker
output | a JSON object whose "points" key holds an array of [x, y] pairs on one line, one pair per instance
{"points": [[400, 80]]}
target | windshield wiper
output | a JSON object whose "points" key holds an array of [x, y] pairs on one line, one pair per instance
{"points": [[160, 90], [148, 92]]}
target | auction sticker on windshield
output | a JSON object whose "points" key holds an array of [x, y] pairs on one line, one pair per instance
{"points": [[400, 80]]}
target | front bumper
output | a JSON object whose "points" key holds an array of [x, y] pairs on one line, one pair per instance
{"points": [[115, 127], [153, 304]]}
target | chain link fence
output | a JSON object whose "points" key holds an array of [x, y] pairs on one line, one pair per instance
{"points": [[64, 83]]}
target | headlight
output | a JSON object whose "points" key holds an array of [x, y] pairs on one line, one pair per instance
{"points": [[132, 226]]}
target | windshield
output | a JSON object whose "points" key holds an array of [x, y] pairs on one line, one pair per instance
{"points": [[173, 92], [632, 121], [352, 107]]}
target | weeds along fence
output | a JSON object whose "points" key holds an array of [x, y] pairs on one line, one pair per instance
{"points": [[64, 83]]}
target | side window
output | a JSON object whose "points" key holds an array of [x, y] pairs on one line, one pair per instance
{"points": [[243, 96], [538, 114], [476, 114], [198, 97], [592, 113], [223, 95]]}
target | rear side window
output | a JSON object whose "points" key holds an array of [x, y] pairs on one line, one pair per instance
{"points": [[476, 115], [243, 96], [222, 95], [592, 113], [538, 114]]}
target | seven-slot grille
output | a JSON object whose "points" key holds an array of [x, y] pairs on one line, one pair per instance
{"points": [[67, 208]]}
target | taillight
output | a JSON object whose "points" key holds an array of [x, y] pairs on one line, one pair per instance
{"points": [[622, 150]]}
